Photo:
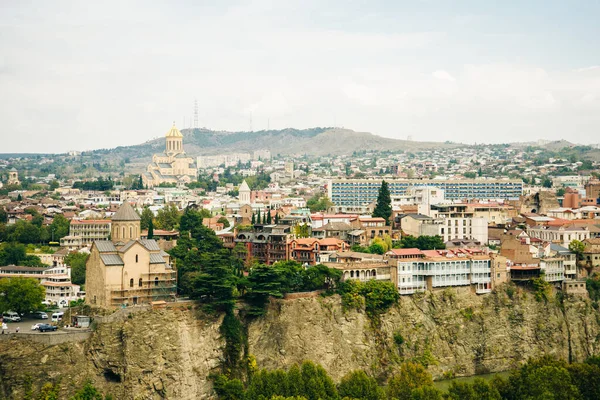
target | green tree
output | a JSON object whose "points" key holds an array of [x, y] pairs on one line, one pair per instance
{"points": [[15, 254], [26, 232], [578, 248], [88, 392], [224, 221], [358, 385], [426, 393], [214, 284], [168, 217], [150, 230], [77, 262], [59, 227], [20, 294], [383, 207], [258, 218], [146, 217], [587, 379], [269, 217], [264, 282], [302, 230], [253, 218], [411, 376], [376, 248], [478, 390], [3, 216]]}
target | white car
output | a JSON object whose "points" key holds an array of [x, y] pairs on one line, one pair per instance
{"points": [[35, 327]]}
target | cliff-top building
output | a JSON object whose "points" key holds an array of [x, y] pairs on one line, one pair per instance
{"points": [[128, 270], [172, 166]]}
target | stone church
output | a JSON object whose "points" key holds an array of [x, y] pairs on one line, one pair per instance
{"points": [[127, 270], [171, 166]]}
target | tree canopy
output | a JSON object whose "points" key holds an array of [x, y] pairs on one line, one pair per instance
{"points": [[20, 294], [383, 207]]}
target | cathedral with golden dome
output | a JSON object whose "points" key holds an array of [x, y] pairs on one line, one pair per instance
{"points": [[171, 166]]}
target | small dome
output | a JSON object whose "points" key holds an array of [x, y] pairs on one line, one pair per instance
{"points": [[174, 132]]}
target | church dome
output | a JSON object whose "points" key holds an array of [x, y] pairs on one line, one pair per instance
{"points": [[126, 213], [174, 132]]}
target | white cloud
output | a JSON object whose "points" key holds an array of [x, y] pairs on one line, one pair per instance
{"points": [[443, 76]]}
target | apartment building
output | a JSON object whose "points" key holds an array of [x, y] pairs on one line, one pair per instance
{"points": [[311, 251], [85, 232], [562, 235], [420, 270], [362, 192], [267, 244]]}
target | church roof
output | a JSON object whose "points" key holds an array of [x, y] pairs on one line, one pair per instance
{"points": [[174, 132], [244, 187], [126, 213]]}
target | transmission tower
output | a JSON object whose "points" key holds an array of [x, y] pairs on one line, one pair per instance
{"points": [[195, 114]]}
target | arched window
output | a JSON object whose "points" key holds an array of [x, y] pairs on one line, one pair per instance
{"points": [[140, 281], [156, 281], [131, 282], [136, 258], [131, 232], [123, 233]]}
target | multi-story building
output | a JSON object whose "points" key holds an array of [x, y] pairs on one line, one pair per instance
{"points": [[85, 232], [55, 280], [267, 244], [460, 222], [562, 235], [424, 270], [59, 288], [362, 266], [362, 192], [311, 251]]}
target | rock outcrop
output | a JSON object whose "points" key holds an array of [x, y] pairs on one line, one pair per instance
{"points": [[170, 353]]}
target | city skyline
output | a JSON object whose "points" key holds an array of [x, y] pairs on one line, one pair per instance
{"points": [[87, 76]]}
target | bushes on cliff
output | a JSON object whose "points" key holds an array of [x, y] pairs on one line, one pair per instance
{"points": [[378, 296]]}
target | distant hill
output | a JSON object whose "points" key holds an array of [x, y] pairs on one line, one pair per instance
{"points": [[314, 141]]}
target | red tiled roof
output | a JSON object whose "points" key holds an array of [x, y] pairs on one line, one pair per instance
{"points": [[406, 252]]}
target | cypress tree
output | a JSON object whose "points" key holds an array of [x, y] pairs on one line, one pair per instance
{"points": [[150, 229], [269, 217], [258, 219], [253, 218], [383, 208]]}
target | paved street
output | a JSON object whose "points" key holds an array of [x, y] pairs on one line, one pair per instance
{"points": [[26, 323]]}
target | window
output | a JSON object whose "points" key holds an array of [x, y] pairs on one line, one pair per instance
{"points": [[140, 281], [156, 281], [136, 258], [131, 282]]}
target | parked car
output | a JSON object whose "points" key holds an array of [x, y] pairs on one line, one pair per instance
{"points": [[57, 316], [36, 327], [11, 316], [39, 315], [47, 328]]}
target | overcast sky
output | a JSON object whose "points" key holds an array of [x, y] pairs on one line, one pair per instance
{"points": [[96, 74]]}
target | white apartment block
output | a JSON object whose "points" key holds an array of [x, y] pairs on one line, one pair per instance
{"points": [[562, 235], [431, 269]]}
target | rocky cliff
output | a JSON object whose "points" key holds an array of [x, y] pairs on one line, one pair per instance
{"points": [[169, 353]]}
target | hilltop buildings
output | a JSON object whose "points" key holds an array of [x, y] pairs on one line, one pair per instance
{"points": [[172, 166]]}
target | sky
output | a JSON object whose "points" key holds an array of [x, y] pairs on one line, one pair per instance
{"points": [[82, 75]]}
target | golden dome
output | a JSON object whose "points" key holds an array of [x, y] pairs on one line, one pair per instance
{"points": [[174, 132]]}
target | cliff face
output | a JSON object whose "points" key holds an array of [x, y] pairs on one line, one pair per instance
{"points": [[153, 355], [456, 333], [170, 353]]}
